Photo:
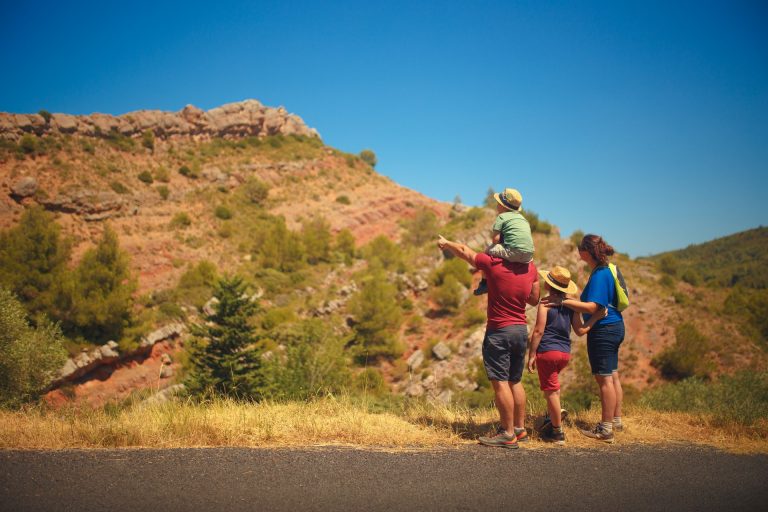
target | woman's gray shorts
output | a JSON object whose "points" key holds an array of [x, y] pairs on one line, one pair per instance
{"points": [[504, 353]]}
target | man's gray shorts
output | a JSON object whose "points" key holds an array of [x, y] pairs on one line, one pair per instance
{"points": [[504, 352]]}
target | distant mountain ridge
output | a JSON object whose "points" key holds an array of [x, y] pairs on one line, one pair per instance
{"points": [[240, 119], [735, 260]]}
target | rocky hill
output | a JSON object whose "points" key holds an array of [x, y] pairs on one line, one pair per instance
{"points": [[242, 119], [181, 188]]}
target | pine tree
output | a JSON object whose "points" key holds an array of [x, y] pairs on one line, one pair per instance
{"points": [[96, 300], [33, 258], [377, 315], [225, 358]]}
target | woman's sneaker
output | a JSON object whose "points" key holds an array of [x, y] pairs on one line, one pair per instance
{"points": [[501, 439], [599, 433]]}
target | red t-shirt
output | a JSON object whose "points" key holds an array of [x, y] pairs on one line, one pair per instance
{"points": [[509, 285]]}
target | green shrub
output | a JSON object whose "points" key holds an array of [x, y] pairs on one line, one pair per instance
{"points": [[45, 115], [277, 316], [448, 295], [29, 357], [148, 140], [162, 174], [278, 247], [316, 237], [163, 191], [472, 317], [377, 316], [422, 228], [751, 307], [97, 298], [343, 200], [119, 141], [33, 260], [452, 267], [146, 177], [369, 157], [196, 284], [370, 381], [87, 146], [741, 398], [386, 252], [351, 160], [188, 173], [313, 362], [576, 237], [256, 191], [119, 188], [181, 220], [222, 212], [668, 265], [537, 225], [29, 144], [687, 356], [345, 245]]}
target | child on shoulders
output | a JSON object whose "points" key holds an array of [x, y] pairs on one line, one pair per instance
{"points": [[512, 238]]}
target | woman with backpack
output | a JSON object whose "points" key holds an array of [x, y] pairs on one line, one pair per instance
{"points": [[604, 339]]}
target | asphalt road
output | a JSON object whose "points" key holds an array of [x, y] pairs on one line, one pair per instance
{"points": [[470, 478]]}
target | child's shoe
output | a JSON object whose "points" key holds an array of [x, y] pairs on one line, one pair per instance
{"points": [[482, 288], [549, 435]]}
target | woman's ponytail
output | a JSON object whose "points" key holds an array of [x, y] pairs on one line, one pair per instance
{"points": [[597, 248]]}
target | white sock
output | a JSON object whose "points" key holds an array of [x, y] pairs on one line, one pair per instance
{"points": [[607, 426]]}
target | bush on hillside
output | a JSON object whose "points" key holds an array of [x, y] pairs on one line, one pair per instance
{"points": [[448, 295], [224, 355], [278, 247], [377, 316], [369, 157], [256, 191], [388, 254], [45, 115], [29, 356], [751, 307], [687, 356], [316, 237], [148, 140], [343, 200], [422, 228], [345, 245], [96, 298], [312, 364], [145, 177], [163, 191], [180, 220], [196, 284], [33, 259], [222, 212], [119, 188], [454, 267], [537, 225]]}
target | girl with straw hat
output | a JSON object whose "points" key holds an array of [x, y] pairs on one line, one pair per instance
{"points": [[550, 345]]}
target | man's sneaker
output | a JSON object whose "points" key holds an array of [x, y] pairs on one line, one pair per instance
{"points": [[548, 435], [522, 437], [548, 421], [598, 433], [501, 439], [482, 288]]}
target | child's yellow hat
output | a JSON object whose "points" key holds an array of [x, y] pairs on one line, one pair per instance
{"points": [[509, 199], [560, 279]]}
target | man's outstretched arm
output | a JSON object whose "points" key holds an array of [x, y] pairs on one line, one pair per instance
{"points": [[457, 249]]}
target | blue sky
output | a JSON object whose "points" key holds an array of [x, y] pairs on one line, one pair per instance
{"points": [[646, 122]]}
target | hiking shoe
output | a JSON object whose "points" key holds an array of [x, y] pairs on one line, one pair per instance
{"points": [[598, 433], [548, 435], [501, 439], [482, 288], [523, 437], [548, 421]]}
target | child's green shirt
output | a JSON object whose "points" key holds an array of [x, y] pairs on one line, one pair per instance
{"points": [[515, 231]]}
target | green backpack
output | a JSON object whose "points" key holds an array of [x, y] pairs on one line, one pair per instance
{"points": [[622, 294]]}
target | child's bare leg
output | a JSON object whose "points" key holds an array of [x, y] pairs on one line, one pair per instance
{"points": [[553, 405]]}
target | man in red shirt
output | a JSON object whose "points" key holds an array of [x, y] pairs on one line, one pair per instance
{"points": [[510, 287]]}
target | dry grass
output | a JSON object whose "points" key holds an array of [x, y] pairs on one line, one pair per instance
{"points": [[338, 422]]}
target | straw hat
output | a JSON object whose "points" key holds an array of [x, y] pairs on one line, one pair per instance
{"points": [[560, 279], [509, 199]]}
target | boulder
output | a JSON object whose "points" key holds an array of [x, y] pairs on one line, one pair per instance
{"points": [[24, 187], [415, 360], [209, 308], [88, 360], [166, 332], [441, 351]]}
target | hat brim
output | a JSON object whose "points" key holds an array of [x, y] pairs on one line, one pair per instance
{"points": [[498, 200], [571, 289]]}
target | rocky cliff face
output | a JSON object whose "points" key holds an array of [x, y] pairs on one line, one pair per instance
{"points": [[245, 118]]}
